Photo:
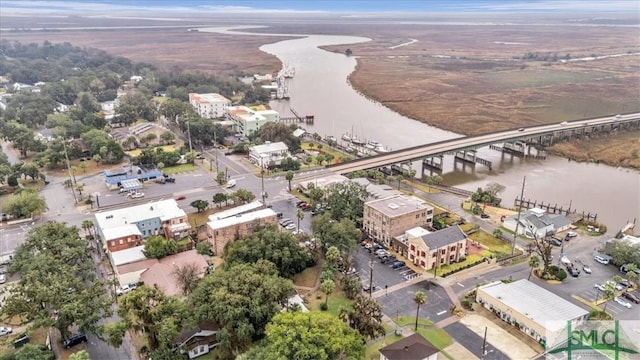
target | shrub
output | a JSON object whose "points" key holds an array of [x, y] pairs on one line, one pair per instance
{"points": [[561, 274], [467, 304], [324, 306], [204, 248]]}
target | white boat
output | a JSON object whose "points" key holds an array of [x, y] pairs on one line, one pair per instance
{"points": [[381, 149], [346, 137], [372, 144], [357, 141]]}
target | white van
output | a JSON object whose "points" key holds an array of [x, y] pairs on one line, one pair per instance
{"points": [[231, 184]]}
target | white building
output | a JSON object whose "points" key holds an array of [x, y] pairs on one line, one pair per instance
{"points": [[247, 121], [225, 230], [209, 106], [263, 154], [537, 223]]}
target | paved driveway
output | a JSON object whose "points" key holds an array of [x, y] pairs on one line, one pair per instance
{"points": [[470, 340], [383, 274]]}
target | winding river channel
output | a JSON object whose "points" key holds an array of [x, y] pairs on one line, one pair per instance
{"points": [[320, 87]]}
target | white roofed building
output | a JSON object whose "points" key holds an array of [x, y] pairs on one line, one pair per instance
{"points": [[209, 106], [221, 231], [384, 219], [126, 228], [263, 155], [247, 121]]}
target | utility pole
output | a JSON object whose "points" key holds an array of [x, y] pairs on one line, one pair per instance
{"points": [[515, 234], [264, 201], [66, 156], [189, 133], [484, 343], [371, 276]]}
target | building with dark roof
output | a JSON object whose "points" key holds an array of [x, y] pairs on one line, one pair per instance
{"points": [[413, 347], [437, 248]]}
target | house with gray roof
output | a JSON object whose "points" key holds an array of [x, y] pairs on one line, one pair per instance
{"points": [[433, 249], [537, 223]]}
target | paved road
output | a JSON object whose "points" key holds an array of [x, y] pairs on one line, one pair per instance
{"points": [[473, 342]]}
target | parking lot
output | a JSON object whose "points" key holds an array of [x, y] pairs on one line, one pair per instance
{"points": [[383, 274], [289, 211]]}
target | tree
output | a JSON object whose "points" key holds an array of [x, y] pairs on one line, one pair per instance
{"points": [[242, 299], [632, 273], [609, 292], [219, 198], [419, 298], [543, 249], [278, 247], [342, 234], [351, 286], [200, 205], [57, 274], [348, 52], [534, 262], [25, 203], [494, 189], [332, 256], [187, 277], [150, 312], [327, 287], [365, 317], [311, 335], [244, 195], [289, 177], [158, 247], [299, 216], [346, 200], [497, 233], [80, 355], [34, 352], [87, 225], [623, 252]]}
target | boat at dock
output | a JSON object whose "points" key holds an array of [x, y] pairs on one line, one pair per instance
{"points": [[372, 144], [357, 141], [381, 149]]}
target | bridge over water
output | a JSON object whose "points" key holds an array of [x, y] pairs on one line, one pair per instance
{"points": [[516, 141]]}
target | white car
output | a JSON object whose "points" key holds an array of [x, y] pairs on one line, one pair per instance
{"points": [[586, 268], [572, 234], [125, 289], [564, 123], [616, 286], [622, 302], [136, 195], [601, 260], [600, 287], [290, 227], [5, 330], [3, 278]]}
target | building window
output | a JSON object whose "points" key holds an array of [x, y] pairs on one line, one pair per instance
{"points": [[443, 251], [417, 216], [121, 241], [423, 254], [413, 247], [422, 263], [112, 243]]}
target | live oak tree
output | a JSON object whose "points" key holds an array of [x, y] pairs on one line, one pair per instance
{"points": [[346, 200], [200, 205], [310, 335], [342, 234], [58, 275], [25, 203], [278, 247], [242, 299], [150, 312]]}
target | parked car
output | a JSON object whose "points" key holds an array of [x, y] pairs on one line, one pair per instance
{"points": [[571, 234], [616, 286], [5, 330], [74, 340], [3, 278], [484, 216], [290, 226], [398, 264], [136, 195], [586, 268], [170, 179], [231, 184], [125, 289], [631, 296], [622, 302], [554, 241], [600, 287], [573, 270], [601, 260]]}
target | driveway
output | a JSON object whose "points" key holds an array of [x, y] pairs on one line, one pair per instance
{"points": [[473, 342]]}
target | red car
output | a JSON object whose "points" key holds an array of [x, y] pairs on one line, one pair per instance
{"points": [[181, 198]]}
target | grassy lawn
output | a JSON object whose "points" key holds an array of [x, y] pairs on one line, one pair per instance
{"points": [[198, 219], [408, 320], [137, 152], [306, 145], [495, 245], [179, 168], [371, 352], [471, 258], [307, 277], [438, 337], [337, 300]]}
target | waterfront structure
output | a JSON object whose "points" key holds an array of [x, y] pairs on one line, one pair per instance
{"points": [[225, 230], [386, 218], [263, 155], [532, 309], [247, 121], [537, 223], [209, 106], [127, 228], [431, 250]]}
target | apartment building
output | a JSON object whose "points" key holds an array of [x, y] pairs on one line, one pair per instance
{"points": [[263, 155], [247, 121], [437, 248], [221, 231], [209, 106], [128, 227], [386, 218]]}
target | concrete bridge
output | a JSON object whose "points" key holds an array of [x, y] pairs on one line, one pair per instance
{"points": [[516, 142]]}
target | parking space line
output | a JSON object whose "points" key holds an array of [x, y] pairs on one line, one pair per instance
{"points": [[441, 312]]}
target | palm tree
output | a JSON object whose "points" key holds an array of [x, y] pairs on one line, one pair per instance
{"points": [[289, 177], [534, 262], [87, 225], [300, 216], [419, 298]]}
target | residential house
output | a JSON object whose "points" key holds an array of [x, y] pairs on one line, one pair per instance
{"points": [[126, 256], [384, 219], [197, 341], [209, 106], [161, 273], [537, 223], [532, 309], [20, 87], [263, 155], [437, 248], [413, 347], [222, 231], [126, 228], [248, 121]]}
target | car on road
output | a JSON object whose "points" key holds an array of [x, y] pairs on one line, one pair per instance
{"points": [[564, 123], [74, 340], [182, 197], [136, 195], [622, 302], [485, 216], [521, 129], [3, 278], [573, 270], [231, 184], [586, 268], [600, 287], [631, 296], [5, 330], [170, 179], [125, 289]]}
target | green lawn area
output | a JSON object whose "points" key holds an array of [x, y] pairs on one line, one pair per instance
{"points": [[371, 352], [472, 258], [495, 245], [337, 300], [306, 145], [137, 152], [408, 320], [307, 277], [438, 337], [179, 168]]}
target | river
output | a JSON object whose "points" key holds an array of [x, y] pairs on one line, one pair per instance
{"points": [[320, 87]]}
